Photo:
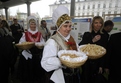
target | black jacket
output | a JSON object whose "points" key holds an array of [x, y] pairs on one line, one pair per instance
{"points": [[87, 38], [114, 52]]}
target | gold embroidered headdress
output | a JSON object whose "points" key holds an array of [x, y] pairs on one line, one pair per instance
{"points": [[60, 16]]}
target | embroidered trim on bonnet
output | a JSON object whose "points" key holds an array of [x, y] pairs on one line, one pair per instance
{"points": [[62, 19]]}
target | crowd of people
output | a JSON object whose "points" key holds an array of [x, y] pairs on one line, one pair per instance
{"points": [[37, 65]]}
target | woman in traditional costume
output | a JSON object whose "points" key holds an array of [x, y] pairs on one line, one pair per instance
{"points": [[62, 40], [29, 64]]}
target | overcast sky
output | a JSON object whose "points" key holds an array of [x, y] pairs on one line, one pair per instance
{"points": [[42, 7]]}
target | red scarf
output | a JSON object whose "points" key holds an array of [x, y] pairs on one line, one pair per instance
{"points": [[71, 44]]}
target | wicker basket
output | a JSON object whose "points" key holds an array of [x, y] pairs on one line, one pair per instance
{"points": [[25, 46], [93, 56], [72, 64], [96, 57], [40, 47]]}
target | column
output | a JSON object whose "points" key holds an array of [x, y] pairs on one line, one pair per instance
{"points": [[6, 12], [28, 8], [72, 8]]}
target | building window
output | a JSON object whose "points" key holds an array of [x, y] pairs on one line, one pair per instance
{"points": [[84, 7], [104, 6], [115, 12], [98, 5], [103, 13], [88, 7], [87, 14], [82, 14], [78, 14], [92, 13], [116, 4], [93, 7], [110, 5], [97, 13], [109, 12], [79, 8]]}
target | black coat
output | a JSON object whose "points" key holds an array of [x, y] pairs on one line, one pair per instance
{"points": [[114, 51], [87, 38], [16, 34], [6, 56], [114, 58]]}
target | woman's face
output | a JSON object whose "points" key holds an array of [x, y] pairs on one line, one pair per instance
{"points": [[65, 29], [33, 26], [97, 25]]}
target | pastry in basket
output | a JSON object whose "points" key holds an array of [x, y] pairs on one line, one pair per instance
{"points": [[71, 58], [25, 43], [92, 50]]}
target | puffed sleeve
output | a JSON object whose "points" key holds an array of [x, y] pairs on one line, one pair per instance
{"points": [[42, 41], [50, 61], [22, 39]]}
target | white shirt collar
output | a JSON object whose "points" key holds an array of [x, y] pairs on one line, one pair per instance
{"points": [[66, 38], [33, 32]]}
